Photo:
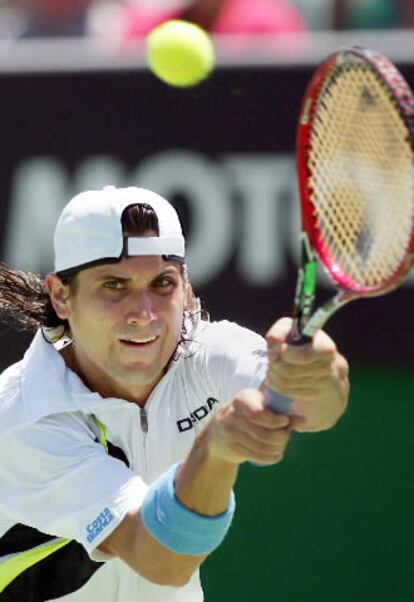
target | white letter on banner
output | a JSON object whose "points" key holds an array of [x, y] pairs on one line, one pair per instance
{"points": [[264, 186], [37, 197], [95, 172], [203, 186], [40, 190]]}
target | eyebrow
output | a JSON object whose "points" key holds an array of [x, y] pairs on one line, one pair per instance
{"points": [[112, 277], [170, 270]]}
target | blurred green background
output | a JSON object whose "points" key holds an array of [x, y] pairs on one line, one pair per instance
{"points": [[335, 520]]}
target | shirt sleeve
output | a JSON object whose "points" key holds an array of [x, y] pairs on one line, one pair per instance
{"points": [[55, 477], [236, 359]]}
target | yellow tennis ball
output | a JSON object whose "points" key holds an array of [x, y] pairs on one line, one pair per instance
{"points": [[180, 53]]}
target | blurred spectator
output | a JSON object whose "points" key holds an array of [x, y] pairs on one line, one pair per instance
{"points": [[53, 18], [373, 14], [217, 16], [318, 13], [8, 19]]}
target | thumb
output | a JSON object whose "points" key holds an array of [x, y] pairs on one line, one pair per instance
{"points": [[276, 336]]}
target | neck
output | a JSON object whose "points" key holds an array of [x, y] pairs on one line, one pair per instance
{"points": [[99, 382]]}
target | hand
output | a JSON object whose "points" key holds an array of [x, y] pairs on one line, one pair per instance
{"points": [[244, 430], [315, 375]]}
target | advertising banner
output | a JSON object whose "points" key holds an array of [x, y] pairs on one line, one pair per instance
{"points": [[222, 152]]}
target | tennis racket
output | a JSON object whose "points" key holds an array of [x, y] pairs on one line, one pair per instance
{"points": [[355, 165]]}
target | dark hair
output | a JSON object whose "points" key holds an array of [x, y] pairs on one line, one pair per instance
{"points": [[24, 300]]}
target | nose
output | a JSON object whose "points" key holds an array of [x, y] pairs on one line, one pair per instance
{"points": [[141, 311]]}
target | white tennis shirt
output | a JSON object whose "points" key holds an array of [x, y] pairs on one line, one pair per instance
{"points": [[56, 478]]}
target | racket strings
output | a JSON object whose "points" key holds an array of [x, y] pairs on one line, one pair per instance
{"points": [[362, 177]]}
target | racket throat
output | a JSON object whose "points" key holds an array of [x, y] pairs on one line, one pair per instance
{"points": [[322, 315], [304, 294]]}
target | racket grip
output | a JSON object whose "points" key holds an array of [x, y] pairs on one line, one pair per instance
{"points": [[296, 339], [278, 403]]}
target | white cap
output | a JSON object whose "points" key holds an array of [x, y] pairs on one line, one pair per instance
{"points": [[89, 229]]}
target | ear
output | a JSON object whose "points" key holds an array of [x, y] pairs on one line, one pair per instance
{"points": [[59, 295]]}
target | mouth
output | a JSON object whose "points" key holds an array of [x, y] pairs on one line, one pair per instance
{"points": [[139, 343]]}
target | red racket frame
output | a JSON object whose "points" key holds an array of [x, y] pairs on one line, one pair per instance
{"points": [[404, 100]]}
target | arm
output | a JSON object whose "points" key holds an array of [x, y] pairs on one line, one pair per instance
{"points": [[315, 375], [242, 430]]}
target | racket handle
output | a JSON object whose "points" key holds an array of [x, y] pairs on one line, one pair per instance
{"points": [[296, 338], [278, 403]]}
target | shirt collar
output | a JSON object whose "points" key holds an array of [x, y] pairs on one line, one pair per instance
{"points": [[41, 385], [49, 387]]}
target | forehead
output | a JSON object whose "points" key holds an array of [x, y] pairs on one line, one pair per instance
{"points": [[142, 267]]}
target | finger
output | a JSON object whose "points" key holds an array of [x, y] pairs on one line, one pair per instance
{"points": [[279, 331], [322, 347], [261, 435], [261, 457], [266, 459], [238, 440], [298, 423], [323, 343], [303, 372], [313, 424], [250, 404], [342, 367], [276, 335], [301, 425], [311, 385], [308, 392], [317, 416], [306, 354], [266, 419]]}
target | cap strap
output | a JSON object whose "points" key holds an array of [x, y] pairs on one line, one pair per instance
{"points": [[158, 245]]}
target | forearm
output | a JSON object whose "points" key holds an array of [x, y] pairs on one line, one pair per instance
{"points": [[204, 482], [203, 486], [132, 543]]}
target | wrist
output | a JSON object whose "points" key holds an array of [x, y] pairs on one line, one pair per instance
{"points": [[204, 482], [176, 526], [210, 445]]}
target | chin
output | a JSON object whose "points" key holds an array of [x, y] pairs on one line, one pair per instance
{"points": [[135, 377]]}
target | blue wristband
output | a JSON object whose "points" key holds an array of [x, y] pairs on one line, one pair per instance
{"points": [[178, 528]]}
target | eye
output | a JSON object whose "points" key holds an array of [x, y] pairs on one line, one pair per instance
{"points": [[113, 285], [164, 283]]}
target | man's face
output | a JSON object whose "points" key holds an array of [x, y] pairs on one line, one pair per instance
{"points": [[126, 322]]}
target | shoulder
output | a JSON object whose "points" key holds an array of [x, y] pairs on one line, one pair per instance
{"points": [[11, 405], [50, 448], [228, 336], [10, 377], [225, 347], [66, 430], [232, 358]]}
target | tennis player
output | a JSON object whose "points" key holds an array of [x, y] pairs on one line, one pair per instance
{"points": [[123, 427]]}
